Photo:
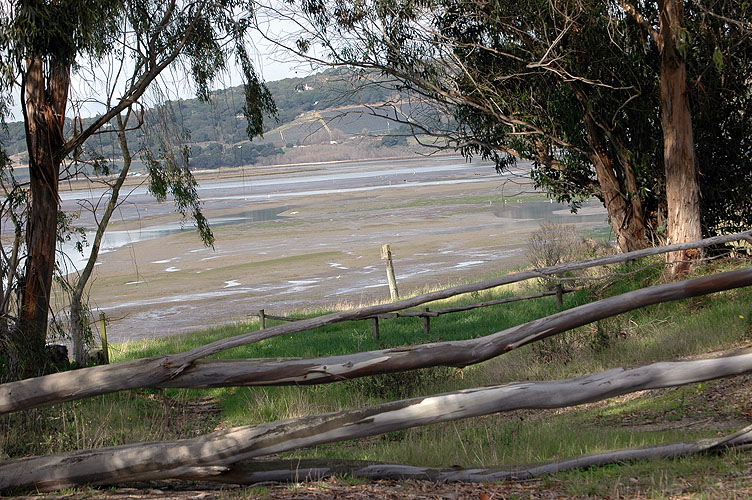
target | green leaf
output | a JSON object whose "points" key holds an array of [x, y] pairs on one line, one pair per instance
{"points": [[718, 59]]}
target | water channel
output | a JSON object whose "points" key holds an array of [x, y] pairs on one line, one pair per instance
{"points": [[310, 239]]}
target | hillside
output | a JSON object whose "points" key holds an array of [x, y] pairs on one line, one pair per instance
{"points": [[323, 109]]}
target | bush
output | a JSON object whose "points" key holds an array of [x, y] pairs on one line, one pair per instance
{"points": [[401, 385], [554, 244]]}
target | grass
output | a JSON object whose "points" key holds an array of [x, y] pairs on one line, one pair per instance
{"points": [[460, 200], [663, 479], [660, 332], [110, 420]]}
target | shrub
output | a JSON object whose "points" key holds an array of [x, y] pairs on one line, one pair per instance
{"points": [[554, 244]]}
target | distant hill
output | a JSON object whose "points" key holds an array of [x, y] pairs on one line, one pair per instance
{"points": [[319, 110]]}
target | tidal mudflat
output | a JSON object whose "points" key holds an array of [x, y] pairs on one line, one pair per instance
{"points": [[310, 237]]}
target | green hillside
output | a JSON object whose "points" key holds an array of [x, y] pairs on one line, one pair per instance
{"points": [[323, 108]]}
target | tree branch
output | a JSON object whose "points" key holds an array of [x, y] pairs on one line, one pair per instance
{"points": [[162, 460], [638, 17], [168, 371]]}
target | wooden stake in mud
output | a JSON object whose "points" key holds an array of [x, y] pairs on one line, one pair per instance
{"points": [[386, 254], [105, 348]]}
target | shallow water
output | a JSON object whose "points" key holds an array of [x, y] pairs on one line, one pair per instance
{"points": [[71, 259], [158, 284]]}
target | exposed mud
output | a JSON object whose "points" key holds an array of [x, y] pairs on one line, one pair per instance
{"points": [[317, 243]]}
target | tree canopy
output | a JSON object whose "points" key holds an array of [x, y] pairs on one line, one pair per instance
{"points": [[120, 48], [576, 86]]}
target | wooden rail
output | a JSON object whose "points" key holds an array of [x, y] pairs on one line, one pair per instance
{"points": [[173, 370], [207, 456], [427, 314], [179, 362], [263, 316], [213, 453]]}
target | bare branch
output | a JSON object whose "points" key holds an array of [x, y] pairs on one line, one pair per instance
{"points": [[162, 460], [632, 11]]}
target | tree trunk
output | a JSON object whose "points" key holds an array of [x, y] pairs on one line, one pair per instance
{"points": [[279, 471], [77, 330], [44, 118], [682, 184], [163, 460], [160, 371], [77, 325], [621, 199]]}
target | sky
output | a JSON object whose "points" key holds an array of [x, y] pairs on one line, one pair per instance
{"points": [[270, 62]]}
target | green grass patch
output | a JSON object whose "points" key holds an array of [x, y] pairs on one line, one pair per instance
{"points": [[661, 332], [459, 200]]}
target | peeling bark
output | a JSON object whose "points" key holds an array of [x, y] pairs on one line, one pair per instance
{"points": [[156, 372], [164, 460], [45, 97], [682, 183], [621, 199]]}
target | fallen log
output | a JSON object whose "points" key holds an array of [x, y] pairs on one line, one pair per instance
{"points": [[164, 460], [151, 372], [286, 471], [181, 361], [438, 312]]}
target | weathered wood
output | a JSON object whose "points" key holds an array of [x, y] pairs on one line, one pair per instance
{"points": [[171, 459], [426, 313], [426, 323], [262, 319], [376, 335], [181, 361], [282, 318], [410, 314], [506, 300], [559, 296], [386, 254], [280, 471], [105, 344], [67, 386]]}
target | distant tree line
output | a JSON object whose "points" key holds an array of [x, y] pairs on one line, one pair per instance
{"points": [[216, 130], [214, 155]]}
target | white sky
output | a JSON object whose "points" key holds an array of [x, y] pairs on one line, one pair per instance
{"points": [[269, 61]]}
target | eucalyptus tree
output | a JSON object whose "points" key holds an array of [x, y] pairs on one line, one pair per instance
{"points": [[595, 93], [169, 173], [43, 43]]}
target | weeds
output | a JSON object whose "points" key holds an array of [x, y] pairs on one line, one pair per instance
{"points": [[659, 332], [110, 420], [401, 385]]}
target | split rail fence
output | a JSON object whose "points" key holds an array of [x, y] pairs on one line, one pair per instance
{"points": [[225, 455], [426, 313]]}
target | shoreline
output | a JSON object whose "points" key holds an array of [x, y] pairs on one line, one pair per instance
{"points": [[319, 250]]}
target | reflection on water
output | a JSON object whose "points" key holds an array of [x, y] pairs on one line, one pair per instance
{"points": [[247, 216], [591, 211], [71, 259]]}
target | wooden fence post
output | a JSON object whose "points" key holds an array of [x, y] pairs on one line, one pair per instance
{"points": [[426, 323], [105, 346], [386, 254], [559, 295], [262, 319], [375, 329]]}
